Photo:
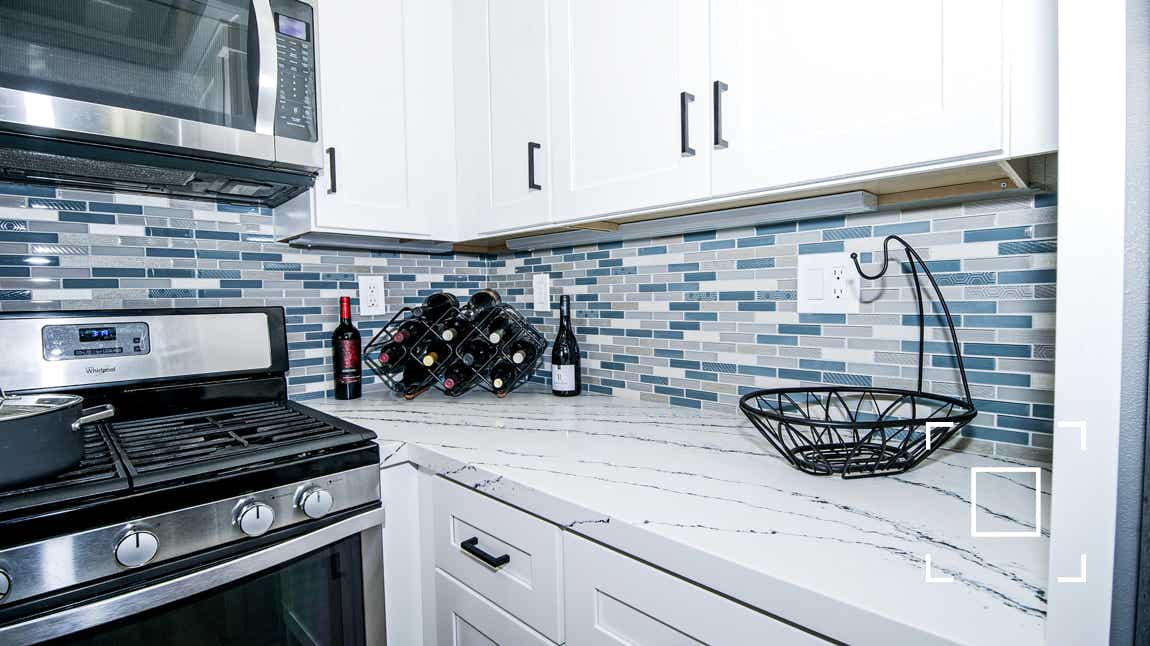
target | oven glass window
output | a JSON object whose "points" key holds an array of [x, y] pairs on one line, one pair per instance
{"points": [[315, 600], [191, 59]]}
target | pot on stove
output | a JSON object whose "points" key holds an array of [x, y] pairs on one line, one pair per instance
{"points": [[40, 435]]}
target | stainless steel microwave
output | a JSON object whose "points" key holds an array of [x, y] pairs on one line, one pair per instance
{"points": [[229, 81]]}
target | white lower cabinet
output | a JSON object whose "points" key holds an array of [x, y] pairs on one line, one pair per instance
{"points": [[465, 618], [510, 557], [614, 599]]}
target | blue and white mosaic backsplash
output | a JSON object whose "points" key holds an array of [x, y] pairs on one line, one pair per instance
{"points": [[691, 320], [699, 319], [79, 250]]}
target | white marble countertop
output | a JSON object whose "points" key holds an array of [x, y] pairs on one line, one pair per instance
{"points": [[703, 495]]}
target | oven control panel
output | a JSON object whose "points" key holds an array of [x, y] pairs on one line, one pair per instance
{"points": [[90, 341]]}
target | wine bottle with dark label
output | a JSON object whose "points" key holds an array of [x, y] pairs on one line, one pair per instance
{"points": [[345, 343], [498, 328], [566, 380]]}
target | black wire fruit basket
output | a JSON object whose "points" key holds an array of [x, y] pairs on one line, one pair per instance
{"points": [[859, 432], [455, 349]]}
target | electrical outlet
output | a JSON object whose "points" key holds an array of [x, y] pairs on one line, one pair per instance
{"points": [[541, 295], [828, 284], [372, 295]]}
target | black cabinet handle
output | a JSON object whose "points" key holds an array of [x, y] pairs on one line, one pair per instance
{"points": [[720, 87], [331, 169], [531, 148], [685, 99], [471, 546]]}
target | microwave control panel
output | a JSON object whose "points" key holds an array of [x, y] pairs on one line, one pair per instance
{"points": [[295, 48], [65, 342]]}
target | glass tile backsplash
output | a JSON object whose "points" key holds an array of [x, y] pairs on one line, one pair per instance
{"points": [[690, 320]]}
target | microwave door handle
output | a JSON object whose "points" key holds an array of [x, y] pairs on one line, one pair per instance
{"points": [[268, 81]]}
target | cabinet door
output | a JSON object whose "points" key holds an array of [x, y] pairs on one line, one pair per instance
{"points": [[821, 89], [613, 599], [619, 75], [385, 97], [465, 618], [501, 115]]}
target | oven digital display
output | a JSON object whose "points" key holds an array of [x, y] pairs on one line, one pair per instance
{"points": [[291, 27], [89, 334]]}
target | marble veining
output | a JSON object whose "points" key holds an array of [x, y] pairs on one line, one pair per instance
{"points": [[703, 495]]}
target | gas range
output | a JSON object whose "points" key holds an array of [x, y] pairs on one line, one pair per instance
{"points": [[208, 476]]}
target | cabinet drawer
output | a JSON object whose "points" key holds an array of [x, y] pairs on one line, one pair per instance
{"points": [[463, 618], [528, 585], [614, 599]]}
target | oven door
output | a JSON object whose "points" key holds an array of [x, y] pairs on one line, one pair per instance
{"points": [[184, 74], [317, 589]]}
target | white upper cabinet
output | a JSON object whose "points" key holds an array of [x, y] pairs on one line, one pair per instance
{"points": [[385, 117], [502, 118], [626, 77], [823, 89]]}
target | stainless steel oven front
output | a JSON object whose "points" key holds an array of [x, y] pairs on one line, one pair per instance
{"points": [[231, 78], [190, 576]]}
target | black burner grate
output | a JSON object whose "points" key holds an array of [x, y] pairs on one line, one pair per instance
{"points": [[163, 448], [98, 473]]}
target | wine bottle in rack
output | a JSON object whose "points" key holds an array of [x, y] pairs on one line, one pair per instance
{"points": [[499, 328], [522, 352], [453, 329], [414, 379], [345, 343], [435, 306], [432, 351], [475, 352], [456, 378], [502, 378], [483, 300], [566, 380]]}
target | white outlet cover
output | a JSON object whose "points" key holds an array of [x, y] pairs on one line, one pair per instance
{"points": [[372, 295], [541, 292], [828, 284]]}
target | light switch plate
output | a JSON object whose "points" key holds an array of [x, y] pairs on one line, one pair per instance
{"points": [[541, 292], [828, 284], [372, 295]]}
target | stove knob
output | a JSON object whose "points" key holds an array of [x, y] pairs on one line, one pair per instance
{"points": [[255, 518], [5, 584], [137, 548], [315, 502]]}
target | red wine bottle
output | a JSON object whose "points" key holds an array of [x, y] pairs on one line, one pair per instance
{"points": [[566, 380], [345, 343], [498, 328], [453, 329]]}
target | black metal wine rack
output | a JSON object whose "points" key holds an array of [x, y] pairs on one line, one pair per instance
{"points": [[392, 352]]}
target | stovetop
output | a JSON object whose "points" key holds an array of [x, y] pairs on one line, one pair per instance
{"points": [[128, 458]]}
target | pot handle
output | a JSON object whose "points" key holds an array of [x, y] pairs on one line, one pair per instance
{"points": [[93, 414]]}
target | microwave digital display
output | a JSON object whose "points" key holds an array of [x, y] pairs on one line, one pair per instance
{"points": [[289, 26]]}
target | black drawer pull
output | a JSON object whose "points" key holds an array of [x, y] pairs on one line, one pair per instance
{"points": [[331, 169], [720, 87], [471, 546], [685, 99], [532, 185]]}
